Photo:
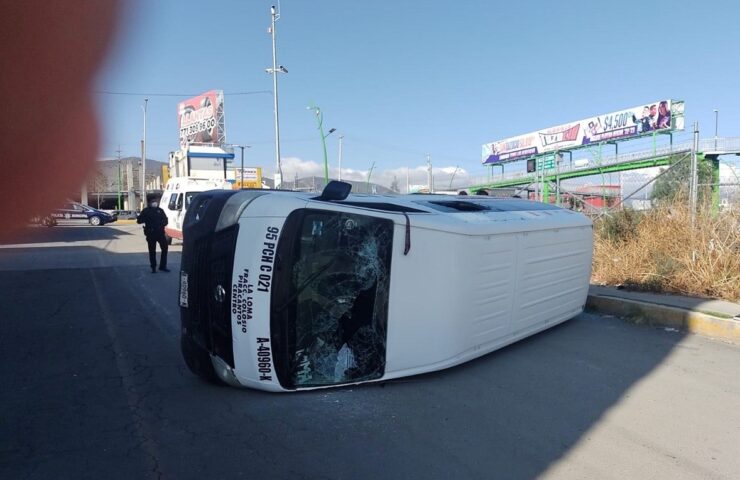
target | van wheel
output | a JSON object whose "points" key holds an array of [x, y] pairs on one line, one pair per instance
{"points": [[95, 221], [198, 360], [168, 239]]}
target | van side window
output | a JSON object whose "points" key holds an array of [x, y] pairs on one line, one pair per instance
{"points": [[172, 205]]}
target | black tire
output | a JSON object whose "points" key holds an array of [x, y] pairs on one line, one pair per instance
{"points": [[198, 360], [95, 221], [168, 239]]}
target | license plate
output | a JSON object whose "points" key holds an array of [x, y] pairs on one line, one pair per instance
{"points": [[184, 289]]}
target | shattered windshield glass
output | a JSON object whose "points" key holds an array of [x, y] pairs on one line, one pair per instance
{"points": [[332, 303]]}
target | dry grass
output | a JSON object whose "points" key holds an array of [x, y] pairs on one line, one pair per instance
{"points": [[659, 251]]}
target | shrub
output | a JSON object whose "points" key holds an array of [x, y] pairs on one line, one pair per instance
{"points": [[659, 251]]}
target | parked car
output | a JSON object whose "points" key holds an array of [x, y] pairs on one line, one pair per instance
{"points": [[286, 291], [77, 213]]}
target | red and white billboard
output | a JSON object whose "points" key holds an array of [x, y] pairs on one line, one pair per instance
{"points": [[201, 119]]}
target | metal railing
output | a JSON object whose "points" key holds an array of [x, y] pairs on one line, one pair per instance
{"points": [[720, 145]]}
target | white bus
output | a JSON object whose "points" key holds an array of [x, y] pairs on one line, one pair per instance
{"points": [[176, 198], [284, 291]]}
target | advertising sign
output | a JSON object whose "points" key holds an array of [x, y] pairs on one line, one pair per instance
{"points": [[630, 122], [201, 119], [252, 177]]}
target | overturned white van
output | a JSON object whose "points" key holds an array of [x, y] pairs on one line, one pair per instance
{"points": [[285, 291]]}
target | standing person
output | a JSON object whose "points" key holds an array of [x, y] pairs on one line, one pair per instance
{"points": [[154, 220]]}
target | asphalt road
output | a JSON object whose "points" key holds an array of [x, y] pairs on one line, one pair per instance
{"points": [[93, 386]]}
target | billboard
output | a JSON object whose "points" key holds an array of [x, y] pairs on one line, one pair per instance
{"points": [[201, 119], [252, 177], [663, 115]]}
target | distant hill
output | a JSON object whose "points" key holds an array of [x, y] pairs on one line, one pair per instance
{"points": [[316, 184], [104, 179]]}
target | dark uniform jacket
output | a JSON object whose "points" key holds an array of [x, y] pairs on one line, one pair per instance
{"points": [[154, 220]]}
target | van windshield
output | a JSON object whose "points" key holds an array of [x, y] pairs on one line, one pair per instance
{"points": [[329, 309], [189, 198]]}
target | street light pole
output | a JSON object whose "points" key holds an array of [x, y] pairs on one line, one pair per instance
{"points": [[368, 176], [340, 157], [143, 161], [453, 176], [119, 177], [320, 121], [241, 171], [694, 185], [275, 15]]}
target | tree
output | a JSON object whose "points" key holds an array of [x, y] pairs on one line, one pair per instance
{"points": [[97, 183], [674, 185]]}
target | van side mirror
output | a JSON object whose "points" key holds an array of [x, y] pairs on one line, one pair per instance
{"points": [[335, 190], [178, 206]]}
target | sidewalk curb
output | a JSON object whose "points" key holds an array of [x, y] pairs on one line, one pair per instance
{"points": [[643, 313]]}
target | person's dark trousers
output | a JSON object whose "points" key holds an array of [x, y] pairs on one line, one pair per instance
{"points": [[152, 244]]}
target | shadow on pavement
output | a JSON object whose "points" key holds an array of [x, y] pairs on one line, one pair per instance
{"points": [[65, 233], [86, 257], [95, 387]]}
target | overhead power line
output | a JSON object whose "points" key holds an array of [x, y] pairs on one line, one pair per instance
{"points": [[145, 94]]}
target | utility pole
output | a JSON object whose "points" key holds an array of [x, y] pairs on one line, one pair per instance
{"points": [[119, 176], [141, 174], [408, 186], [143, 161], [340, 157], [716, 127], [558, 159], [241, 174], [430, 178], [693, 186], [542, 184]]}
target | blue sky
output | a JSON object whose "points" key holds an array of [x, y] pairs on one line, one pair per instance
{"points": [[406, 78]]}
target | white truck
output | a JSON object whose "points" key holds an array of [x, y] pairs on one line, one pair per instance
{"points": [[176, 199], [285, 291]]}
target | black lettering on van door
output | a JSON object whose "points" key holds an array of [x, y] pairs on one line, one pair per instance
{"points": [[264, 279]]}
